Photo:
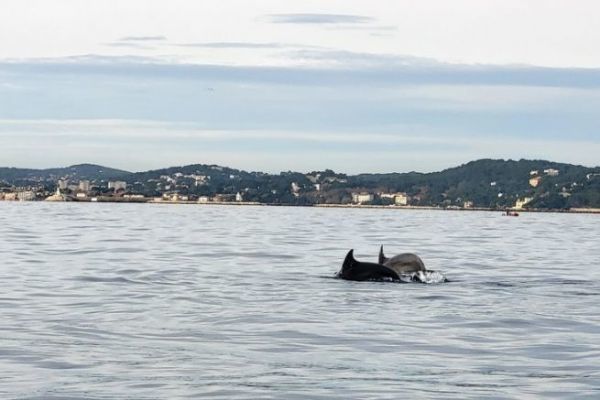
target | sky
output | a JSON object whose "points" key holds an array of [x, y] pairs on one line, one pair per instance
{"points": [[270, 85]]}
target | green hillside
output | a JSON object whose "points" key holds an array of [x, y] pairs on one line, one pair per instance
{"points": [[483, 183]]}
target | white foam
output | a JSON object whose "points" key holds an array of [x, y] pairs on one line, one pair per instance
{"points": [[424, 277]]}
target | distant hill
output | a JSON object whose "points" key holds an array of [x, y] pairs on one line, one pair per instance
{"points": [[484, 183], [74, 172]]}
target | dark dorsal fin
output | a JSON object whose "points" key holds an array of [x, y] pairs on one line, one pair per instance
{"points": [[382, 258], [349, 261]]}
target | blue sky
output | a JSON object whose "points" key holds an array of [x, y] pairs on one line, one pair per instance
{"points": [[298, 85]]}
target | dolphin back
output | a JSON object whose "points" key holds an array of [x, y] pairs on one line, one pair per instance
{"points": [[405, 263], [354, 270]]}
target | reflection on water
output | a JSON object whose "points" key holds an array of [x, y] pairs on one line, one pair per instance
{"points": [[107, 301]]}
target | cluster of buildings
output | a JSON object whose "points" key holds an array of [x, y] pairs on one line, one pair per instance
{"points": [[86, 190], [180, 188], [65, 191], [179, 198], [536, 177], [19, 195], [398, 199], [172, 182]]}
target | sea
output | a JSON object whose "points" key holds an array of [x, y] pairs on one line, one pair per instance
{"points": [[172, 301]]}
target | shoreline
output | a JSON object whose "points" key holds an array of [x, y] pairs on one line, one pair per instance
{"points": [[354, 206]]}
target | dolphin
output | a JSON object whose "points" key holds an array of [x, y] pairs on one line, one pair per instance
{"points": [[402, 264], [354, 270]]}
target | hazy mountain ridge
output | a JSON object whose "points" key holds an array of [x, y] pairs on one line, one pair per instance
{"points": [[79, 171]]}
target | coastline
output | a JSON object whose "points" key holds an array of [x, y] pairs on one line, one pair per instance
{"points": [[351, 206]]}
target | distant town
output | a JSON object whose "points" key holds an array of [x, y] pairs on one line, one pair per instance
{"points": [[482, 184]]}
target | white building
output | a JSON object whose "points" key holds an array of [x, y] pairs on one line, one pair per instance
{"points": [[10, 196], [313, 178], [521, 202], [84, 186], [361, 198], [590, 176], [535, 181], [117, 185], [551, 172], [239, 197], [400, 199], [62, 184], [295, 189], [172, 197], [26, 195], [56, 196]]}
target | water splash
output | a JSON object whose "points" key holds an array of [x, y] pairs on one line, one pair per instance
{"points": [[428, 277]]}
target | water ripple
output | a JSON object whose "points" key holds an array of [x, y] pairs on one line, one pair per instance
{"points": [[105, 301]]}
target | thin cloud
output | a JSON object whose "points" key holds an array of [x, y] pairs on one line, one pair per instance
{"points": [[355, 59], [371, 28], [114, 129], [143, 39], [138, 42], [350, 68], [327, 19], [235, 45], [130, 45], [332, 68], [84, 59], [251, 45]]}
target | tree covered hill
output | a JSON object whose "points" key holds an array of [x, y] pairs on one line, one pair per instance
{"points": [[487, 183], [74, 172], [482, 183]]}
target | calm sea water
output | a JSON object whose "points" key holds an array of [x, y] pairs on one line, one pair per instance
{"points": [[108, 301]]}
